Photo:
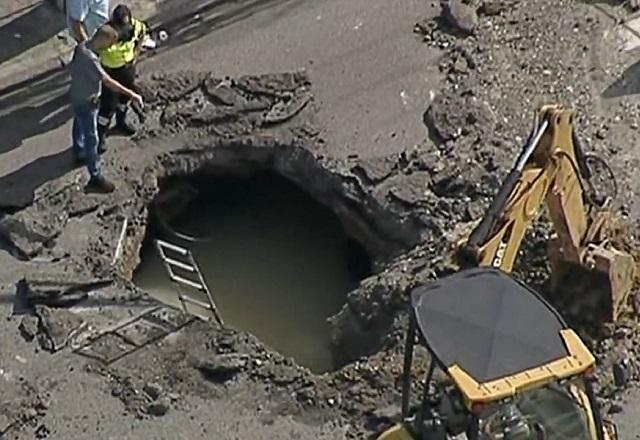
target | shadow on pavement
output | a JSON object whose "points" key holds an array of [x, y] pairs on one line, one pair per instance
{"points": [[17, 188], [39, 104], [187, 21], [627, 84], [28, 30], [32, 107]]}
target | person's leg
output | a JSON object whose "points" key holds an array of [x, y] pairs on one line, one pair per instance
{"points": [[90, 123], [97, 181], [77, 135], [108, 102], [126, 77]]}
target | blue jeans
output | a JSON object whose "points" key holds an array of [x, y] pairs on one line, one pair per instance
{"points": [[85, 135]]}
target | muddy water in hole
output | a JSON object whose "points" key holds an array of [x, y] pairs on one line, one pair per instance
{"points": [[277, 262]]}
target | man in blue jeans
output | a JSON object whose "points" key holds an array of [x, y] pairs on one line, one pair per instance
{"points": [[87, 77]]}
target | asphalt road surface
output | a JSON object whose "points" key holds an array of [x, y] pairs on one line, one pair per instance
{"points": [[371, 75]]}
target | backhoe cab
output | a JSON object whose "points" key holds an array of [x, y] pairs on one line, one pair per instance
{"points": [[514, 370]]}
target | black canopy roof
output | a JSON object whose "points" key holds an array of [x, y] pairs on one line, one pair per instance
{"points": [[487, 323]]}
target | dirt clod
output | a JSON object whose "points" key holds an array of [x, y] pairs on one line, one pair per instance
{"points": [[621, 372], [222, 367], [29, 327], [42, 431], [160, 407], [460, 16], [495, 7], [153, 390]]}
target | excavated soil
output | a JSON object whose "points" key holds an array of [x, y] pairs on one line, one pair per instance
{"points": [[500, 59]]}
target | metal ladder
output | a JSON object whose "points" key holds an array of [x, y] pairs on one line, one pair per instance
{"points": [[189, 266]]}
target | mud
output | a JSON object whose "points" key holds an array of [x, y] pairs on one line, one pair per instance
{"points": [[406, 209], [198, 124]]}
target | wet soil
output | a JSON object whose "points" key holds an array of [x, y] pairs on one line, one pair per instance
{"points": [[403, 208]]}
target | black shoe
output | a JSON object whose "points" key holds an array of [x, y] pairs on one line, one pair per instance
{"points": [[124, 128], [102, 147], [101, 185]]}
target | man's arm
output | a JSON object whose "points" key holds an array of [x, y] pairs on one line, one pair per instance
{"points": [[119, 88], [80, 32], [77, 12]]}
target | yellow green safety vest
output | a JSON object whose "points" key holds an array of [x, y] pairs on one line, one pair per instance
{"points": [[123, 52]]}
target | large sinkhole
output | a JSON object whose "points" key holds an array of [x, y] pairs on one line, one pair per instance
{"points": [[278, 263]]}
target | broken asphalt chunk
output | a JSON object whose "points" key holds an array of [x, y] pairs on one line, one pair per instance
{"points": [[55, 290], [221, 368], [459, 16], [56, 327]]}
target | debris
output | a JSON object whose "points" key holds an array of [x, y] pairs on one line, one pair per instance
{"points": [[461, 65], [450, 117], [29, 327], [58, 290], [57, 327], [460, 16], [494, 7], [221, 93], [615, 408], [288, 106], [121, 237], [41, 407], [5, 423], [153, 390], [222, 368], [389, 412], [42, 431], [307, 395], [375, 170], [159, 407], [621, 372]]}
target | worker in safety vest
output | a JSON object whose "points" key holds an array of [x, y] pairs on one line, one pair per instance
{"points": [[119, 62]]}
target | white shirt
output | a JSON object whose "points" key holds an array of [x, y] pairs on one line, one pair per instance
{"points": [[92, 13]]}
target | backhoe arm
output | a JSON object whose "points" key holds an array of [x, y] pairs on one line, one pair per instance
{"points": [[546, 170], [551, 169]]}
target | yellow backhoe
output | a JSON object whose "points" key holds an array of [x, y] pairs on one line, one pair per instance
{"points": [[513, 369]]}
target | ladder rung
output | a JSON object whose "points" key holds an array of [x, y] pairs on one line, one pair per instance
{"points": [[179, 264], [190, 283], [178, 249], [202, 304]]}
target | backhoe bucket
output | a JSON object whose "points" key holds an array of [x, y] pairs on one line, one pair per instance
{"points": [[595, 291]]}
